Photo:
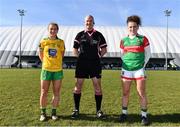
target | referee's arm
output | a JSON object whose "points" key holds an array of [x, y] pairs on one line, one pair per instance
{"points": [[103, 51], [75, 52]]}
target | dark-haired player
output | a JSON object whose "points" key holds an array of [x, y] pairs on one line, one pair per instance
{"points": [[135, 50]]}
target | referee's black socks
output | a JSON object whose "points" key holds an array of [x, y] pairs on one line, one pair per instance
{"points": [[98, 99], [77, 98]]}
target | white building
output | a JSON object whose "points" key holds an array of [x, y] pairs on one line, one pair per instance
{"points": [[31, 36]]}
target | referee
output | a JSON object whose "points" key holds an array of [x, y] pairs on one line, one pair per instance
{"points": [[89, 46]]}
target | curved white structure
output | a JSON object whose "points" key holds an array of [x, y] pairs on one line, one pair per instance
{"points": [[31, 36]]}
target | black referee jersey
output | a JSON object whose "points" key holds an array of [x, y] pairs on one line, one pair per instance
{"points": [[89, 44]]}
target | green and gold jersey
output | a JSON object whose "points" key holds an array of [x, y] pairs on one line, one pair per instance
{"points": [[52, 54]]}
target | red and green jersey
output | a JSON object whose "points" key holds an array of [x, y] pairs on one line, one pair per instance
{"points": [[133, 57]]}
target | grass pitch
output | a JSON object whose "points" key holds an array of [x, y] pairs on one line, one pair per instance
{"points": [[20, 90]]}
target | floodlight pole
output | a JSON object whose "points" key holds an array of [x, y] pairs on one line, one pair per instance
{"points": [[167, 14], [21, 13]]}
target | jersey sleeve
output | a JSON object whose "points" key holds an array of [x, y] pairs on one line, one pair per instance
{"points": [[76, 44], [147, 50], [121, 48], [63, 46], [121, 45], [102, 43], [41, 45], [145, 41]]}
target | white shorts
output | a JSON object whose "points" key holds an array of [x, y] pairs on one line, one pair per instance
{"points": [[133, 75]]}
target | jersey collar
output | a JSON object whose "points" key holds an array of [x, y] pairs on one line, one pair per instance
{"points": [[86, 31]]}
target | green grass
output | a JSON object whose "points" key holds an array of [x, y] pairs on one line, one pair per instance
{"points": [[20, 90]]}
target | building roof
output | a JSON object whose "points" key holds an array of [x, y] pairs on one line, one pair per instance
{"points": [[31, 36]]}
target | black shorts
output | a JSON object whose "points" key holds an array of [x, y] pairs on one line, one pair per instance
{"points": [[88, 69]]}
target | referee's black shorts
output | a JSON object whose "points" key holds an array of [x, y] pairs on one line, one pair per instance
{"points": [[88, 69]]}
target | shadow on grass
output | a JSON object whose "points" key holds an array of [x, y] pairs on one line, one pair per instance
{"points": [[165, 118], [161, 118], [86, 117], [132, 118]]}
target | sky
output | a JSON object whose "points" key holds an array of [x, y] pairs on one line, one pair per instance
{"points": [[105, 12]]}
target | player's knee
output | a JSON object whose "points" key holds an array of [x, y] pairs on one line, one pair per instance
{"points": [[56, 98], [78, 87], [98, 92], [142, 96], [79, 83], [125, 93], [77, 90], [44, 93]]}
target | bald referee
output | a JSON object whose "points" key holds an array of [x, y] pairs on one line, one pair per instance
{"points": [[89, 46]]}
